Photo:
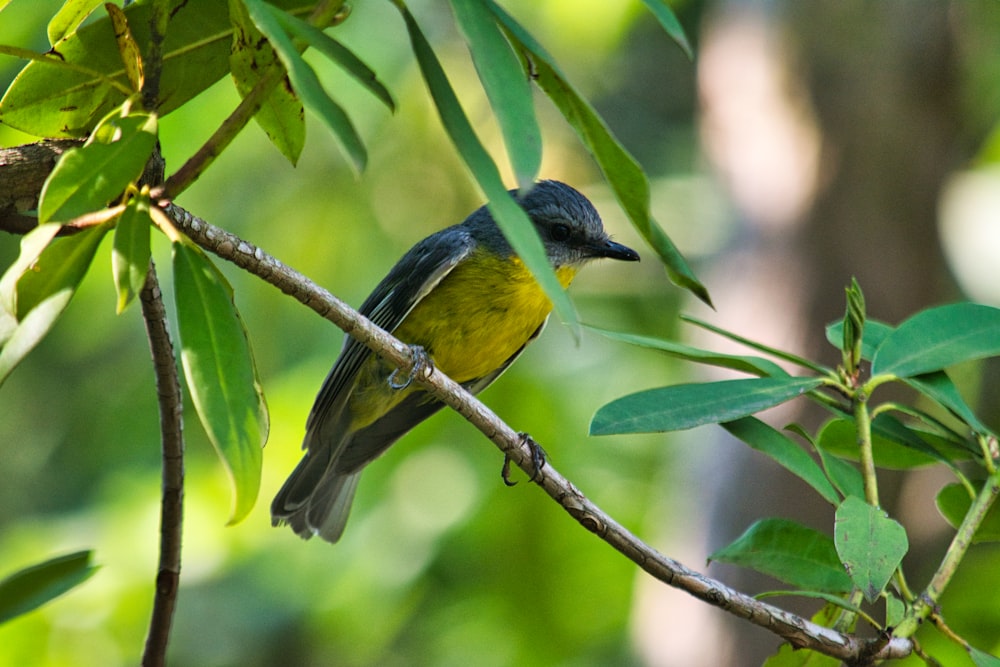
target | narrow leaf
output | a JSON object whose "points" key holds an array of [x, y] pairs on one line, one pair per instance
{"points": [[337, 53], [130, 253], [766, 349], [130, 53], [31, 587], [252, 58], [790, 552], [665, 15], [685, 406], [506, 86], [510, 217], [220, 372], [938, 387], [953, 502], [869, 543], [32, 245], [69, 16], [307, 84], [622, 171], [940, 337], [982, 658], [785, 452], [87, 178], [753, 365], [43, 290]]}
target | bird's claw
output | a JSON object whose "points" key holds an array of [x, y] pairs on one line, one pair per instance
{"points": [[421, 364], [538, 457]]}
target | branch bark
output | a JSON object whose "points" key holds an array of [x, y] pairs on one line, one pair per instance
{"points": [[798, 631], [168, 391]]}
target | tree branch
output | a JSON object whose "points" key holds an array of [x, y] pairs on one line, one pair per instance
{"points": [[798, 631], [24, 170], [168, 391]]}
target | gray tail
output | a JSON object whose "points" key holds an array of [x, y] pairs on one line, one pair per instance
{"points": [[315, 500]]}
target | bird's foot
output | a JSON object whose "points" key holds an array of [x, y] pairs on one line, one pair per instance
{"points": [[538, 457], [422, 363]]}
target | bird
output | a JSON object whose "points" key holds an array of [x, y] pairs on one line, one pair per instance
{"points": [[463, 298]]}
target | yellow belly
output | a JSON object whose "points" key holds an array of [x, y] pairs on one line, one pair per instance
{"points": [[480, 315]]}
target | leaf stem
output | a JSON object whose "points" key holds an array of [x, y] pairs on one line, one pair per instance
{"points": [[862, 420]]}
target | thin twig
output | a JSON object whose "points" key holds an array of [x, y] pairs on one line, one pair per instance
{"points": [[798, 631], [168, 391]]}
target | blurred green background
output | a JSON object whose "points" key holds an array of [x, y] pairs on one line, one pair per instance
{"points": [[806, 144]]}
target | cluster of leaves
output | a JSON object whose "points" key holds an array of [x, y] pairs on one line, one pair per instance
{"points": [[112, 78], [862, 560]]}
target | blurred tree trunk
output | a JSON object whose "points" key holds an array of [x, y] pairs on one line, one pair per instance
{"points": [[882, 81]]}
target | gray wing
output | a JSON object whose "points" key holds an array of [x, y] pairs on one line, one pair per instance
{"points": [[409, 281]]}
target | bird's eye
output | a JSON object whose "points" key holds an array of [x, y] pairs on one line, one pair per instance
{"points": [[559, 232]]}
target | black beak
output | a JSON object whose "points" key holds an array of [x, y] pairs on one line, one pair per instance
{"points": [[610, 249]]}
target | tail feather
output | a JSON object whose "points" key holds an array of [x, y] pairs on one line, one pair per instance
{"points": [[315, 500]]}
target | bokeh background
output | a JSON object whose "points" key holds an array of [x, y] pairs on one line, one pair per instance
{"points": [[807, 143]]}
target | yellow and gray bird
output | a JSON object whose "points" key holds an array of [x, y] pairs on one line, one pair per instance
{"points": [[466, 298]]}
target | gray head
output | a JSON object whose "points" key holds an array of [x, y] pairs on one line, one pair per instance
{"points": [[568, 224]]}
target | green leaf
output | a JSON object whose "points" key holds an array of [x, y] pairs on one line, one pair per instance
{"points": [[953, 502], [130, 252], [685, 406], [753, 365], [895, 609], [506, 86], [766, 349], [869, 543], [39, 286], [337, 53], [939, 388], [307, 84], [220, 372], [895, 446], [64, 95], [69, 16], [31, 587], [32, 245], [86, 178], [128, 49], [665, 15], [510, 217], [844, 476], [623, 173], [940, 337], [251, 59], [937, 446], [785, 452], [790, 552], [982, 658]]}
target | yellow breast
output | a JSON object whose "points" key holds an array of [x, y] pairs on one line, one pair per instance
{"points": [[478, 316]]}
